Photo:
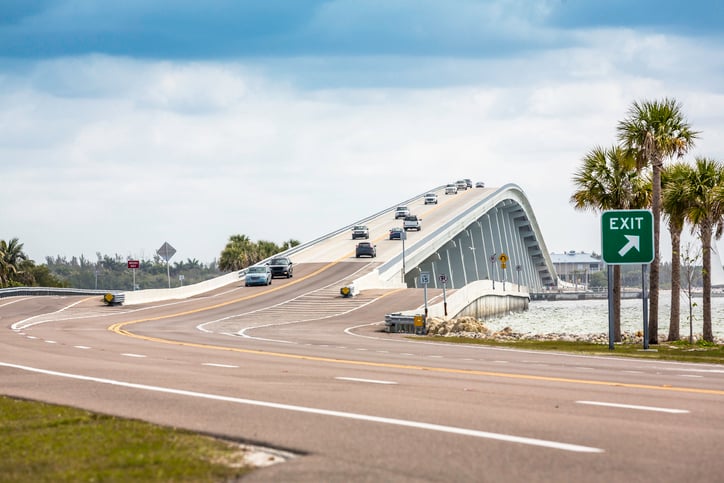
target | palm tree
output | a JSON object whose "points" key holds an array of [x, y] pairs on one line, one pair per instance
{"points": [[652, 132], [675, 204], [238, 253], [706, 214], [11, 259], [608, 180]]}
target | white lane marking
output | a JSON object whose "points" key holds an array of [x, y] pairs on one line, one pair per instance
{"points": [[219, 365], [128, 354], [32, 337], [24, 324], [633, 372], [691, 369], [324, 412], [371, 381], [50, 342], [501, 362], [81, 347], [632, 406], [14, 301], [690, 375]]}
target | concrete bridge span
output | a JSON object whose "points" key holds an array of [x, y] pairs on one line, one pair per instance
{"points": [[466, 246]]}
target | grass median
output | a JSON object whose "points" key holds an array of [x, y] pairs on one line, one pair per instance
{"points": [[682, 351], [48, 443]]}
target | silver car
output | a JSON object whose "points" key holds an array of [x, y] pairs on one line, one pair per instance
{"points": [[258, 275]]}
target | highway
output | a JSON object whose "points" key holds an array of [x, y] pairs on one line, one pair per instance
{"points": [[295, 367]]}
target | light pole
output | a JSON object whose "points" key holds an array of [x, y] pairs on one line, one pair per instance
{"points": [[403, 235], [492, 265]]}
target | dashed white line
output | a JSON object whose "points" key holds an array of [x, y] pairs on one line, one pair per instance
{"points": [[128, 354], [81, 347], [219, 365], [690, 375], [324, 412], [50, 342], [371, 381], [633, 406]]}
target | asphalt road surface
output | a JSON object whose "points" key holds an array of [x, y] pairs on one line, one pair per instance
{"points": [[296, 367]]}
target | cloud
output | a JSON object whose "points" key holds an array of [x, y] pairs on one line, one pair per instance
{"points": [[113, 154]]}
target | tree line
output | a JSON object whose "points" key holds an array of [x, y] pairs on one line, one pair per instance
{"points": [[107, 272], [633, 174]]}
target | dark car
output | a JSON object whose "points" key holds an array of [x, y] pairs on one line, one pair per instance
{"points": [[281, 267], [396, 233], [365, 249]]}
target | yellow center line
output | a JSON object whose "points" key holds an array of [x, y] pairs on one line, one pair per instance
{"points": [[119, 328]]}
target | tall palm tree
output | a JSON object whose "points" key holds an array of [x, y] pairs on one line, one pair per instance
{"points": [[706, 214], [608, 180], [11, 259], [675, 204], [654, 131]]}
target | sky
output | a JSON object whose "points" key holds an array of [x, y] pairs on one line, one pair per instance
{"points": [[124, 125]]}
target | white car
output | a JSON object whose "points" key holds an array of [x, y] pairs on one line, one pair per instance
{"points": [[401, 212], [412, 222], [431, 199], [451, 189]]}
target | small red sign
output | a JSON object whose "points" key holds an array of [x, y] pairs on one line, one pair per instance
{"points": [[134, 264]]}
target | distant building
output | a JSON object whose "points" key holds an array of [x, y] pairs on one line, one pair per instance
{"points": [[576, 267]]}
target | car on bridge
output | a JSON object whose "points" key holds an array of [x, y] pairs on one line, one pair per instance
{"points": [[430, 199], [461, 184], [360, 231], [451, 189], [365, 249], [281, 267], [480, 184], [396, 233], [412, 222], [258, 275], [401, 212]]}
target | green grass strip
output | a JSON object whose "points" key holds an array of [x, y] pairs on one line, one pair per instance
{"points": [[47, 443]]}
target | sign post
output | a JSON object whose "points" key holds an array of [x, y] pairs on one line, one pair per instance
{"points": [[166, 252], [443, 281], [134, 264], [627, 238], [424, 280], [503, 264]]}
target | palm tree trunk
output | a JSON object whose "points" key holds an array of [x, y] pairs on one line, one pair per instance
{"points": [[617, 303], [674, 321], [654, 274], [706, 230]]}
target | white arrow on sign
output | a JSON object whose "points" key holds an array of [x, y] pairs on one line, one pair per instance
{"points": [[633, 242]]}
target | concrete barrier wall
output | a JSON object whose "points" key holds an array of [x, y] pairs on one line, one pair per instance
{"points": [[159, 294], [480, 300]]}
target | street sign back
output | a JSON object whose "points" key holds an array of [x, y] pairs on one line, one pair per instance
{"points": [[627, 237]]}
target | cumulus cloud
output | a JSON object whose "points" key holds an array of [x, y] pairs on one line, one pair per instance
{"points": [[117, 155]]}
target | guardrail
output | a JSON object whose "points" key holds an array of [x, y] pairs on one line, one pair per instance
{"points": [[407, 324], [29, 291]]}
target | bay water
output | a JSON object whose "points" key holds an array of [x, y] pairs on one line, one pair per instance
{"points": [[581, 317]]}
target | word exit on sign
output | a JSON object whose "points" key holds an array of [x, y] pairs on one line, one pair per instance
{"points": [[627, 237]]}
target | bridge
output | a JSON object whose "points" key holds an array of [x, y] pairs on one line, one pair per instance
{"points": [[462, 239]]}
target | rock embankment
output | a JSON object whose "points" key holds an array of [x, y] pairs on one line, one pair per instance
{"points": [[476, 329]]}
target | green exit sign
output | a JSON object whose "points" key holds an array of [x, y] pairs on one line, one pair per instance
{"points": [[627, 237]]}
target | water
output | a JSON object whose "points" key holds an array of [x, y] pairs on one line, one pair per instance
{"points": [[591, 317]]}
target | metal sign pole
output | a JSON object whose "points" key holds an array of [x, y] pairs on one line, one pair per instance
{"points": [[610, 307], [646, 306]]}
